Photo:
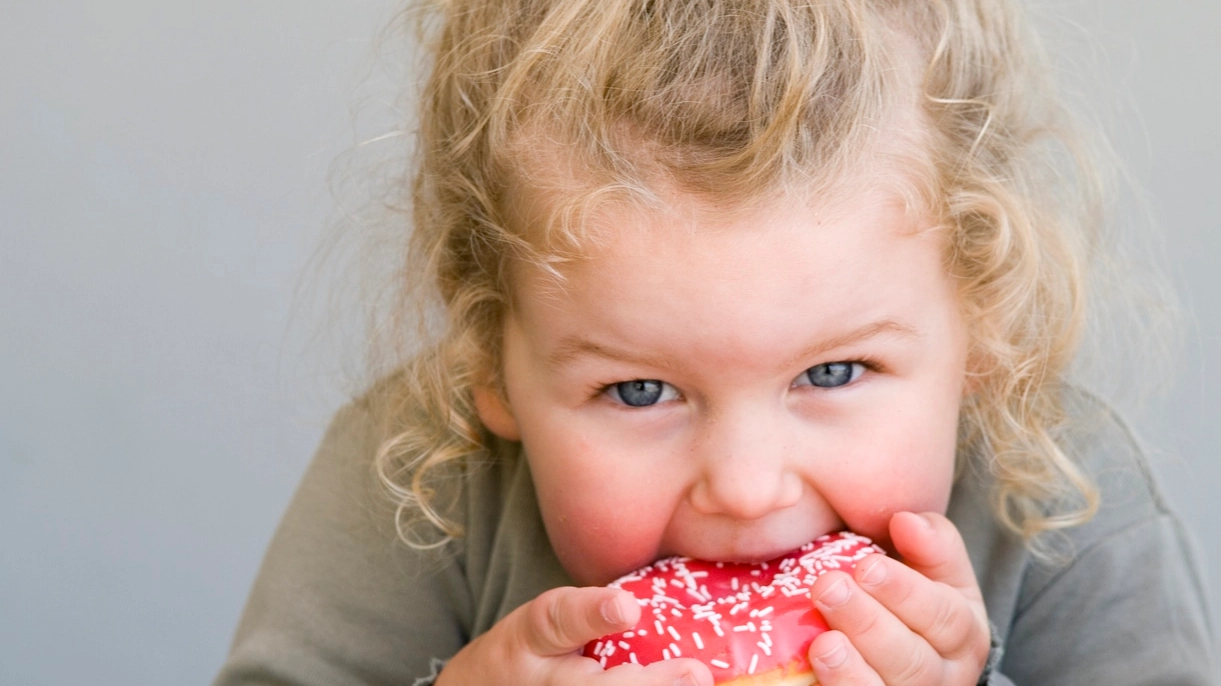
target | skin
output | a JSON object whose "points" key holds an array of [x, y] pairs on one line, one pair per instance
{"points": [[742, 457]]}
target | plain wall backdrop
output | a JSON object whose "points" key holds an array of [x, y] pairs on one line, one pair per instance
{"points": [[163, 184]]}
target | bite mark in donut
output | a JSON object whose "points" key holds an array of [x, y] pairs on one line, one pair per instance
{"points": [[750, 623]]}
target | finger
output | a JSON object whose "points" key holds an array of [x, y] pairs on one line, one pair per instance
{"points": [[953, 624], [678, 672], [563, 620], [896, 653], [574, 669], [837, 663], [930, 544]]}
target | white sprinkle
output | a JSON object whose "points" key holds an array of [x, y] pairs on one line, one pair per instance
{"points": [[765, 611], [719, 663], [629, 634], [754, 662], [699, 642], [733, 583], [632, 658], [743, 627], [642, 632], [657, 623], [674, 649], [665, 654], [766, 648], [625, 645], [603, 661], [674, 633], [717, 629], [676, 612]]}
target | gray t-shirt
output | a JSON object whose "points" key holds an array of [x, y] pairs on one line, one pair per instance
{"points": [[340, 601]]}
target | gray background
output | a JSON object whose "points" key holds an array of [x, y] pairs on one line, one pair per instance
{"points": [[165, 173]]}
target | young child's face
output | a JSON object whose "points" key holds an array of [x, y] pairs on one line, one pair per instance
{"points": [[730, 386]]}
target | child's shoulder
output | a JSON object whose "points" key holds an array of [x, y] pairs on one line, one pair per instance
{"points": [[1112, 455], [1100, 443], [1120, 593]]}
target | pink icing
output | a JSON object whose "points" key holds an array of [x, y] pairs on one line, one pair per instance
{"points": [[737, 618]]}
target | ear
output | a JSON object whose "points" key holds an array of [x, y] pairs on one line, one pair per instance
{"points": [[495, 413]]}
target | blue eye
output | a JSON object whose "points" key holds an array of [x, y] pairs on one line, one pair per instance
{"points": [[641, 392], [832, 374]]}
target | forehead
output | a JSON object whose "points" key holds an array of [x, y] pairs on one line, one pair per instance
{"points": [[563, 199], [741, 294], [850, 243], [567, 227]]}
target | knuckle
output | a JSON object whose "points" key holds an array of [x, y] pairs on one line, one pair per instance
{"points": [[980, 640], [547, 620], [869, 624], [903, 589], [949, 621], [918, 668], [966, 636]]}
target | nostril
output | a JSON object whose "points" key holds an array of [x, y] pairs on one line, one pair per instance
{"points": [[748, 495]]}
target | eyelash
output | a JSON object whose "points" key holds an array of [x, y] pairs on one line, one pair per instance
{"points": [[871, 365], [856, 369]]}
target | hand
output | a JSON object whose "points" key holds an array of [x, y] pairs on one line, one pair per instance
{"points": [[539, 644], [904, 625]]}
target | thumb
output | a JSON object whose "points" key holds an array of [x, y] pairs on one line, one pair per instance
{"points": [[563, 620]]}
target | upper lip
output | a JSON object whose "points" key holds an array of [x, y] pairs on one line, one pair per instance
{"points": [[745, 554]]}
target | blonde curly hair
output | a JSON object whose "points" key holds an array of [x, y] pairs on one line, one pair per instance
{"points": [[737, 99]]}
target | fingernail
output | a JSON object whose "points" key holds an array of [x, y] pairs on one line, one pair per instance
{"points": [[612, 612], [874, 574], [835, 595], [834, 657]]}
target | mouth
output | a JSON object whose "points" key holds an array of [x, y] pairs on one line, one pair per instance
{"points": [[744, 550], [717, 539]]}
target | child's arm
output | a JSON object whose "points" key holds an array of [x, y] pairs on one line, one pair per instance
{"points": [[339, 600], [1130, 608], [896, 624], [538, 642]]}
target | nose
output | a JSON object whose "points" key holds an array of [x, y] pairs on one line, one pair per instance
{"points": [[746, 468]]}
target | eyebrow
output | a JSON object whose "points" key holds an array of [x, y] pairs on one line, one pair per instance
{"points": [[574, 347], [861, 333]]}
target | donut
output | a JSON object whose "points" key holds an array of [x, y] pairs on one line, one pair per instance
{"points": [[752, 624]]}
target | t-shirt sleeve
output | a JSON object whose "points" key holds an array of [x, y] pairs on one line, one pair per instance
{"points": [[1128, 610], [1126, 603], [339, 601]]}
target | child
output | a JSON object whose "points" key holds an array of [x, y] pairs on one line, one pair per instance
{"points": [[718, 278]]}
